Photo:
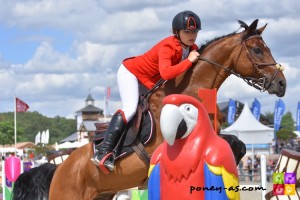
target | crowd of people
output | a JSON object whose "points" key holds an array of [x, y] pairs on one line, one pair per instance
{"points": [[250, 169]]}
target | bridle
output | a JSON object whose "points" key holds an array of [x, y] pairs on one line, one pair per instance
{"points": [[259, 83]]}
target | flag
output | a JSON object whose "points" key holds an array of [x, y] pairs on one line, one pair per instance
{"points": [[47, 137], [279, 110], [108, 93], [43, 138], [38, 138], [21, 106], [298, 117], [255, 109], [231, 111]]}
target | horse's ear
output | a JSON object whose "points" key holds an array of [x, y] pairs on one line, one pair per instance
{"points": [[243, 24], [260, 30], [252, 28]]}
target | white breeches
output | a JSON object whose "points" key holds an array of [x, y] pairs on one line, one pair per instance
{"points": [[129, 91]]}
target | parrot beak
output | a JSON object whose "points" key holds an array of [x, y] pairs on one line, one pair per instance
{"points": [[172, 123]]}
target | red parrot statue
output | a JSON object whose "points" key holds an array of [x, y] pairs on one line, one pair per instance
{"points": [[193, 162]]}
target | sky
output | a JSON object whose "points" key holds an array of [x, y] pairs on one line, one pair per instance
{"points": [[54, 53]]}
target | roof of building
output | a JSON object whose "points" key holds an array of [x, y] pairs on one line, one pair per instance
{"points": [[89, 125], [70, 138], [89, 98], [90, 108], [19, 145]]}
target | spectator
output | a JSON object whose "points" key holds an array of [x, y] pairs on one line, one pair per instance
{"points": [[256, 166], [249, 167], [241, 168], [273, 146]]}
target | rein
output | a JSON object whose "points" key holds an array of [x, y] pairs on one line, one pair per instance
{"points": [[259, 83]]}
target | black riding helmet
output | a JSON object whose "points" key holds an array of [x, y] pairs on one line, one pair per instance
{"points": [[186, 20]]}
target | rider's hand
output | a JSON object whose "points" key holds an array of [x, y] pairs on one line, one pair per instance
{"points": [[193, 56]]}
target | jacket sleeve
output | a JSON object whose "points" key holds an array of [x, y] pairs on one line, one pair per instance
{"points": [[170, 64]]}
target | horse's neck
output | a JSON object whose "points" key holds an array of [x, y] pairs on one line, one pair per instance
{"points": [[202, 75], [207, 75]]}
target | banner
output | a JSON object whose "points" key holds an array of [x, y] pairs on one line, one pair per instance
{"points": [[231, 111], [255, 109], [298, 117], [279, 110], [21, 106]]}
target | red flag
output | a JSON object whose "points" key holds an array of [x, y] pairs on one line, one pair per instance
{"points": [[21, 106], [108, 93]]}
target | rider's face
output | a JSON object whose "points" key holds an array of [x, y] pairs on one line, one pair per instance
{"points": [[188, 37]]}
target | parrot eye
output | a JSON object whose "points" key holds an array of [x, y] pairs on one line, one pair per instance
{"points": [[187, 108]]}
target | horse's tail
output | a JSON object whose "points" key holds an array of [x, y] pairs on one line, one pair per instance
{"points": [[35, 183]]}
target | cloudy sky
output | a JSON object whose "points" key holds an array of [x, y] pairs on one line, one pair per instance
{"points": [[54, 52]]}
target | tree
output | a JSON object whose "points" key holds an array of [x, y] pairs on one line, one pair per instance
{"points": [[285, 134], [30, 123], [7, 133], [287, 122]]}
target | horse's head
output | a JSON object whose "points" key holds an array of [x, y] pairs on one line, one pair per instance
{"points": [[255, 63]]}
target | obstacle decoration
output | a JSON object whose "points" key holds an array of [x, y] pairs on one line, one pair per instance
{"points": [[193, 162], [11, 171], [286, 177]]}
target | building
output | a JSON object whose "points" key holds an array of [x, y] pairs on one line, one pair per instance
{"points": [[86, 119], [89, 113]]}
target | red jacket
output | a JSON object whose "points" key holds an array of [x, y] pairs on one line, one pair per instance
{"points": [[161, 61]]}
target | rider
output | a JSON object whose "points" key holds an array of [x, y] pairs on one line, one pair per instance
{"points": [[166, 60]]}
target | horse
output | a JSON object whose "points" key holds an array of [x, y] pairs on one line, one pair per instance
{"points": [[243, 54]]}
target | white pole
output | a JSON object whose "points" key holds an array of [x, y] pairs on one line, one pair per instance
{"points": [[15, 119], [263, 175], [3, 178], [252, 165], [105, 109]]}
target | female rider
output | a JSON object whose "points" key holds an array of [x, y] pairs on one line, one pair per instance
{"points": [[166, 60]]}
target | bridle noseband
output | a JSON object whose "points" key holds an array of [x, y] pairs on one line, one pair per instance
{"points": [[259, 83]]}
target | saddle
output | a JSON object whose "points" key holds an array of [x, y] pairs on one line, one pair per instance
{"points": [[138, 133]]}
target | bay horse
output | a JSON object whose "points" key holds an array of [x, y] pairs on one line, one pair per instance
{"points": [[243, 54]]}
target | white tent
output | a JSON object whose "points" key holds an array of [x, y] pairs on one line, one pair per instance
{"points": [[68, 145], [253, 133]]}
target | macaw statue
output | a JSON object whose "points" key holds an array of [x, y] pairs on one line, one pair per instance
{"points": [[193, 162]]}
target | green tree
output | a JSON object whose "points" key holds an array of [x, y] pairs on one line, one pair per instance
{"points": [[30, 123], [287, 122], [285, 134], [7, 133]]}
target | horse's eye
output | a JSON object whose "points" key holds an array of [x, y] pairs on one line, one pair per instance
{"points": [[257, 50]]}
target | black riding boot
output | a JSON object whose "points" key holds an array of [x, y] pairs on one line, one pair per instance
{"points": [[104, 158]]}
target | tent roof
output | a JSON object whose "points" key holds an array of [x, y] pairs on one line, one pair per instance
{"points": [[246, 122]]}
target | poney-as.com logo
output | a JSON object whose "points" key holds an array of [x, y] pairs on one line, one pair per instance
{"points": [[284, 183]]}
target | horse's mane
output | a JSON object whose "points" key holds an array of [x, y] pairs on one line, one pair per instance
{"points": [[35, 183], [207, 43]]}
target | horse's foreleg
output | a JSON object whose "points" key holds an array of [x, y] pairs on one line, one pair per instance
{"points": [[105, 196]]}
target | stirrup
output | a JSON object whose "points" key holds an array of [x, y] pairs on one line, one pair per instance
{"points": [[106, 164]]}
